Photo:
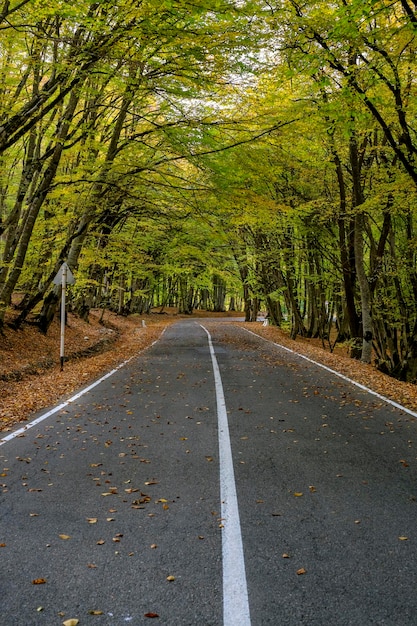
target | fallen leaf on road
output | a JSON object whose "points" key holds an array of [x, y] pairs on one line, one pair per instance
{"points": [[64, 537], [403, 538], [93, 612], [92, 520], [151, 615], [301, 571], [100, 542], [71, 622], [170, 579], [39, 581], [298, 494]]}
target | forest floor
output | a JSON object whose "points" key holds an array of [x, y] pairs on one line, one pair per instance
{"points": [[31, 378]]}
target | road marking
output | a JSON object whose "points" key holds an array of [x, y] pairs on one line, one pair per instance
{"points": [[21, 431], [336, 373], [235, 593]]}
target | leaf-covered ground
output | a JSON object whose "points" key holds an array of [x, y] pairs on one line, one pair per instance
{"points": [[30, 376], [30, 373]]}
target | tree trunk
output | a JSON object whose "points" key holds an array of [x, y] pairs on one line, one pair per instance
{"points": [[37, 201]]}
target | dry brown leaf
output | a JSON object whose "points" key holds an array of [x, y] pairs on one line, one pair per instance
{"points": [[39, 581]]}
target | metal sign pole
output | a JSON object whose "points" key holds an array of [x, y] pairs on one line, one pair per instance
{"points": [[63, 294], [64, 277]]}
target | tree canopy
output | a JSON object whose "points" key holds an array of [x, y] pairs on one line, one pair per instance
{"points": [[238, 153]]}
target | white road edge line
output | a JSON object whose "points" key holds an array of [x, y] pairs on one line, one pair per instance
{"points": [[336, 373], [56, 409], [235, 594]]}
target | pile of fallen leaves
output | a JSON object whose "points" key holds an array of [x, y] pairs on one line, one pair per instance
{"points": [[30, 373]]}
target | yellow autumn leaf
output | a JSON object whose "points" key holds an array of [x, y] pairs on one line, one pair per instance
{"points": [[402, 538], [298, 494], [64, 537], [71, 622], [170, 579]]}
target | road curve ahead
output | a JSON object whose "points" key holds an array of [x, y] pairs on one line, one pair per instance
{"points": [[214, 480]]}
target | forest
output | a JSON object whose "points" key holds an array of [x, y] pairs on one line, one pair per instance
{"points": [[214, 154]]}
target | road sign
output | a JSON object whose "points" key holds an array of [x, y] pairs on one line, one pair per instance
{"points": [[64, 277], [64, 271]]}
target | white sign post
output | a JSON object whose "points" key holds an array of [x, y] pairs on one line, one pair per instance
{"points": [[64, 277]]}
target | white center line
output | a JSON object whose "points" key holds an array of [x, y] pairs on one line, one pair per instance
{"points": [[235, 593]]}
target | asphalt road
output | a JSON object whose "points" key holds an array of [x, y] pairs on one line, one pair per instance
{"points": [[111, 513]]}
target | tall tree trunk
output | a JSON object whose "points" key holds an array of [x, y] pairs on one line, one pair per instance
{"points": [[36, 204]]}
